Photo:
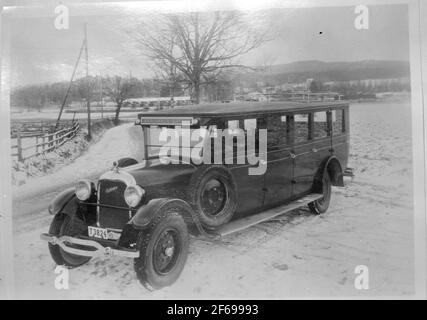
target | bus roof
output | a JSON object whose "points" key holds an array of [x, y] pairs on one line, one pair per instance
{"points": [[215, 110]]}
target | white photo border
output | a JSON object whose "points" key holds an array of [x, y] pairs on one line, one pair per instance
{"points": [[418, 68]]}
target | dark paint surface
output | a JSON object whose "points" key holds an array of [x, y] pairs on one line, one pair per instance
{"points": [[308, 158], [278, 178]]}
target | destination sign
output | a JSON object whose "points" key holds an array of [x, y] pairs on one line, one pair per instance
{"points": [[167, 121]]}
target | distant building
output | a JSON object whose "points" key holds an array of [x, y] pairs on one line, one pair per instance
{"points": [[255, 96], [269, 90], [286, 86], [299, 87]]}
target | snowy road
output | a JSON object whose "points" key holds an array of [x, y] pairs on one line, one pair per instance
{"points": [[369, 223]]}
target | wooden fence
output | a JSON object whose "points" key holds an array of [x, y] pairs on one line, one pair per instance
{"points": [[43, 142]]}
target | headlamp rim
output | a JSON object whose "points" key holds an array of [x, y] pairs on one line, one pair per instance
{"points": [[90, 186], [140, 191]]}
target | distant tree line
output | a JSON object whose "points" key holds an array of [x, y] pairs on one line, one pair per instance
{"points": [[350, 89], [367, 89], [41, 95], [115, 88]]}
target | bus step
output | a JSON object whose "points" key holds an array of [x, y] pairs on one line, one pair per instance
{"points": [[247, 222]]}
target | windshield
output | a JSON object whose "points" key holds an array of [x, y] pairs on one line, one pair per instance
{"points": [[181, 142], [216, 142]]}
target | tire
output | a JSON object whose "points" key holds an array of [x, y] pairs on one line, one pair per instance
{"points": [[126, 162], [55, 228], [224, 190], [321, 206], [62, 226], [159, 266]]}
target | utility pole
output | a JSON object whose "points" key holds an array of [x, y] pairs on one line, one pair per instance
{"points": [[89, 135], [69, 86], [101, 100]]}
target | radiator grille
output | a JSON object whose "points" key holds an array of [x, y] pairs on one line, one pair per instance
{"points": [[111, 192]]}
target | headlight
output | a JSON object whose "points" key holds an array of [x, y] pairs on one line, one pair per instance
{"points": [[133, 195], [83, 190]]}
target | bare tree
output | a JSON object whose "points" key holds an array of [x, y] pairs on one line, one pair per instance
{"points": [[85, 87], [167, 73], [267, 60], [119, 89], [200, 45]]}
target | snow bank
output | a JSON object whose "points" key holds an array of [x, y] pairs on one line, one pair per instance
{"points": [[115, 143]]}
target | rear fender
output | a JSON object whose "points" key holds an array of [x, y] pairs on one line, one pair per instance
{"points": [[333, 167]]}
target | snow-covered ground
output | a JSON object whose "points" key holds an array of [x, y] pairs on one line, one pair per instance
{"points": [[370, 222]]}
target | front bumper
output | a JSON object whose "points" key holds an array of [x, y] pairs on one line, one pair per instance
{"points": [[95, 249]]}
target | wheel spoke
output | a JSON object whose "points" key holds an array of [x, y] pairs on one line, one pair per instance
{"points": [[165, 251]]}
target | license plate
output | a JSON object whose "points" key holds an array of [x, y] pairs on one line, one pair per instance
{"points": [[103, 233], [98, 233]]}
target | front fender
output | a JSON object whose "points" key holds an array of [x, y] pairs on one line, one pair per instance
{"points": [[140, 220], [148, 212], [65, 202]]}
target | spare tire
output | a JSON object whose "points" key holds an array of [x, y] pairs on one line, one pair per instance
{"points": [[213, 195], [126, 162]]}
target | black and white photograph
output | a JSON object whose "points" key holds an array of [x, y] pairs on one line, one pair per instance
{"points": [[163, 150]]}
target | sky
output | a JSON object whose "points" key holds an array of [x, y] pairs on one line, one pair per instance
{"points": [[39, 53]]}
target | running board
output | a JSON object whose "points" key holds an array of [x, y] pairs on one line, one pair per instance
{"points": [[241, 224]]}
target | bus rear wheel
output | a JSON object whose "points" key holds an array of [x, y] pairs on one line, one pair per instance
{"points": [[321, 205]]}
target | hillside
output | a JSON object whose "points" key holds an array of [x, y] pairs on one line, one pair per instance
{"points": [[329, 71]]}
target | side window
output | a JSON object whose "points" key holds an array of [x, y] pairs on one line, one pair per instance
{"points": [[320, 125], [232, 126], [250, 124], [214, 131], [276, 131], [301, 127], [337, 122]]}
